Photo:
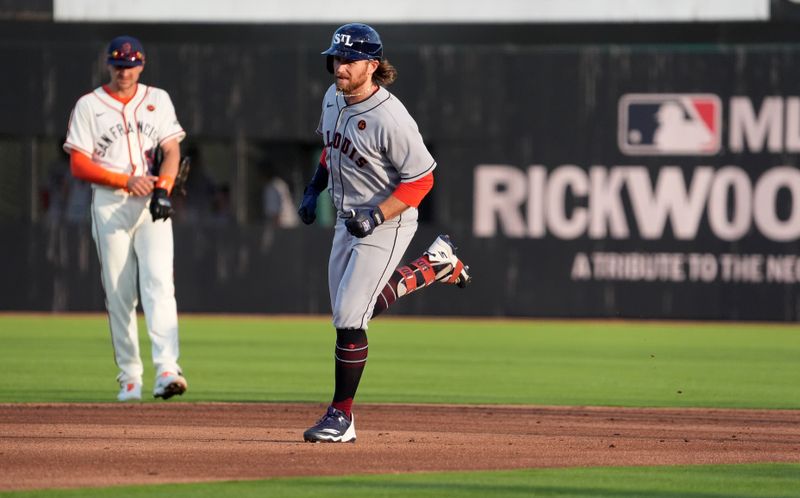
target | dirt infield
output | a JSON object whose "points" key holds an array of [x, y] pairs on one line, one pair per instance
{"points": [[77, 445]]}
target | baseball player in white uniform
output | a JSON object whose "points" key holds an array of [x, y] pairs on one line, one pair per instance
{"points": [[112, 137], [377, 170]]}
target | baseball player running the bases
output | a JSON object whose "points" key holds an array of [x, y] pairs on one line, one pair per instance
{"points": [[112, 136], [377, 170]]}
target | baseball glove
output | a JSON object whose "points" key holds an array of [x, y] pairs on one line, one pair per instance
{"points": [[179, 187], [154, 158]]}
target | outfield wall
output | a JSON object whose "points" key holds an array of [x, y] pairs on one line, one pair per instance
{"points": [[580, 176], [255, 269]]}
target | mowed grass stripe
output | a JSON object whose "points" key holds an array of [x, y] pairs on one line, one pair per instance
{"points": [[66, 358], [702, 481]]}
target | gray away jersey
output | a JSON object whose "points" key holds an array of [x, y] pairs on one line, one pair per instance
{"points": [[372, 147]]}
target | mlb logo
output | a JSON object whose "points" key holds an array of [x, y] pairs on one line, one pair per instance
{"points": [[675, 124]]}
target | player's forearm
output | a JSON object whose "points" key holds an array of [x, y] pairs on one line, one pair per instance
{"points": [[169, 165], [392, 207], [172, 156], [83, 168]]}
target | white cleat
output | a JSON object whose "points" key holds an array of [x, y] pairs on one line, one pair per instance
{"points": [[442, 251], [169, 384], [130, 391]]}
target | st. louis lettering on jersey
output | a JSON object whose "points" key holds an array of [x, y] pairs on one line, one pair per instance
{"points": [[372, 147], [669, 124], [348, 149]]}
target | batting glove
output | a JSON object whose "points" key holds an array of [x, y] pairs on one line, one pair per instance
{"points": [[308, 207], [363, 222], [160, 205]]}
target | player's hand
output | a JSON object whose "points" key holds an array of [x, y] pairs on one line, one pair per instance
{"points": [[141, 185], [160, 205], [364, 221], [308, 207]]}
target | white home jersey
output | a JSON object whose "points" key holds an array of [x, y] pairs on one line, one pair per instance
{"points": [[121, 137], [372, 147]]}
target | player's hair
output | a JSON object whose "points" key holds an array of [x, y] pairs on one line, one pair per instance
{"points": [[385, 74]]}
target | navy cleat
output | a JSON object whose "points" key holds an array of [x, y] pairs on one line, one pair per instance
{"points": [[333, 427]]}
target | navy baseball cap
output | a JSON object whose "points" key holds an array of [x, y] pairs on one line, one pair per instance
{"points": [[125, 51]]}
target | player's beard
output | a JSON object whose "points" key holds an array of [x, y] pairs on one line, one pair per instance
{"points": [[353, 85]]}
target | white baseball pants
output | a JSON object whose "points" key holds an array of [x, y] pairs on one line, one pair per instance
{"points": [[131, 246], [359, 268]]}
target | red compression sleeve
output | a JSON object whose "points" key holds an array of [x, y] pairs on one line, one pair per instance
{"points": [[323, 158], [412, 193], [83, 168]]}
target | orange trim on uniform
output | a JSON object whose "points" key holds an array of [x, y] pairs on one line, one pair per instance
{"points": [[136, 118], [323, 158], [412, 193], [83, 168], [166, 182], [122, 114], [121, 100]]}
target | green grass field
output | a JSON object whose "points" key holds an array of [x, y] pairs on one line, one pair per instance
{"points": [[64, 358], [68, 359], [699, 481]]}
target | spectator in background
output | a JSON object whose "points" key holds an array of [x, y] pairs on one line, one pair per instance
{"points": [[221, 205], [65, 206], [53, 199], [65, 198], [276, 200], [79, 200]]}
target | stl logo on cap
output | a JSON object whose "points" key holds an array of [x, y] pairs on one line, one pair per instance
{"points": [[342, 39]]}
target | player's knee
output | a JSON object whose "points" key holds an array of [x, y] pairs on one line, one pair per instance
{"points": [[351, 320], [347, 314], [347, 337], [158, 287]]}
